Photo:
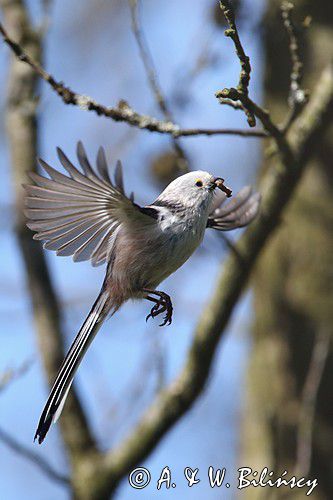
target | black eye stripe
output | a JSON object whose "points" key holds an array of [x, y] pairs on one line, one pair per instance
{"points": [[174, 207]]}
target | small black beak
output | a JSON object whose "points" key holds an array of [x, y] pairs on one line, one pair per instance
{"points": [[219, 183]]}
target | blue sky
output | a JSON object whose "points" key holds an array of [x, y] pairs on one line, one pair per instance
{"points": [[89, 45]]}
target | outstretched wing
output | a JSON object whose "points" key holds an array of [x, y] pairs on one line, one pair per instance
{"points": [[239, 212], [79, 214]]}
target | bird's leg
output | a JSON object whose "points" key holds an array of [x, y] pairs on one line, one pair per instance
{"points": [[162, 304]]}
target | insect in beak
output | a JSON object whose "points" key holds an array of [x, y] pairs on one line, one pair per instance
{"points": [[219, 183]]}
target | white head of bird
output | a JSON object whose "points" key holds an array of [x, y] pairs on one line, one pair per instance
{"points": [[193, 190]]}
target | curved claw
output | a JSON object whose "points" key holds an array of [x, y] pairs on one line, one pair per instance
{"points": [[164, 304], [168, 317], [154, 312], [167, 320]]}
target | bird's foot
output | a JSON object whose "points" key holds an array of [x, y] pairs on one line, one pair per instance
{"points": [[162, 304]]}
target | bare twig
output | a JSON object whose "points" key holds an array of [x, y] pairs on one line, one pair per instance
{"points": [[229, 96], [147, 60], [192, 132], [123, 112], [231, 246], [33, 457], [135, 391], [308, 403], [233, 104], [240, 96], [232, 32], [187, 71], [12, 374], [298, 97]]}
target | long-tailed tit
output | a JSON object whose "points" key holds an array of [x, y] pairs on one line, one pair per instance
{"points": [[88, 215]]}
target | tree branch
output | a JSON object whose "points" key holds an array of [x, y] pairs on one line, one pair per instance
{"points": [[180, 395], [234, 97], [123, 112], [308, 405], [11, 374], [191, 132], [22, 130], [33, 457], [147, 60], [232, 32], [298, 97]]}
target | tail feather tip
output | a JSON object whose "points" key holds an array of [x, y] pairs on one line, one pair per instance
{"points": [[42, 430]]}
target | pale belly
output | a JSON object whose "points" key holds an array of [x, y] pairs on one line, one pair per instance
{"points": [[145, 260]]}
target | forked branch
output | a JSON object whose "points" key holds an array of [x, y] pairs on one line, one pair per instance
{"points": [[123, 112]]}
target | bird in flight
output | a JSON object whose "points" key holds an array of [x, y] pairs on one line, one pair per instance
{"points": [[86, 214]]}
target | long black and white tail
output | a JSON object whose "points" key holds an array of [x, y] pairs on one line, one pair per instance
{"points": [[64, 379]]}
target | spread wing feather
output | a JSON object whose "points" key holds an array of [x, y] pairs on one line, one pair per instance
{"points": [[78, 214], [239, 212], [102, 166]]}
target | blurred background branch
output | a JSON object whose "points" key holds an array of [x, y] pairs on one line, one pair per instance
{"points": [[11, 374], [312, 382], [292, 282], [147, 60], [22, 133], [298, 97], [29, 455]]}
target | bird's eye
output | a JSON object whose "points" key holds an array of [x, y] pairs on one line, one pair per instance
{"points": [[199, 183]]}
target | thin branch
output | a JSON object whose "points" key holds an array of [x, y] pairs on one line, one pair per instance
{"points": [[188, 70], [191, 132], [231, 246], [237, 105], [240, 95], [33, 457], [298, 97], [123, 112], [12, 374], [308, 404], [147, 60], [225, 96], [232, 32]]}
